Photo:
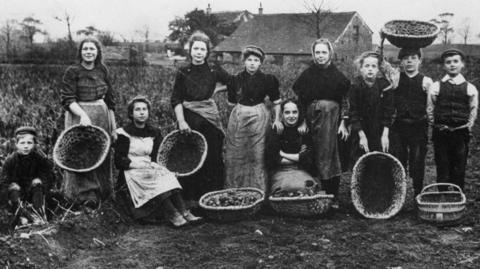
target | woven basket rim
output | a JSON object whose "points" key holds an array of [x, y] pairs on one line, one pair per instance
{"points": [[395, 207], [458, 191], [231, 208], [385, 31], [300, 198], [202, 158], [84, 170]]}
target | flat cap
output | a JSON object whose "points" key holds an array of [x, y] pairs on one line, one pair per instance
{"points": [[452, 52], [409, 51], [26, 130], [253, 50]]}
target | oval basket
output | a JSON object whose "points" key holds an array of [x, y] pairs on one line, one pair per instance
{"points": [[188, 150], [441, 207], [231, 213], [397, 174], [303, 206], [415, 38], [81, 148]]}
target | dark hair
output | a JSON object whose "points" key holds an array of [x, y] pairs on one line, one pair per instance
{"points": [[293, 101], [202, 37], [98, 44], [409, 52], [133, 101]]}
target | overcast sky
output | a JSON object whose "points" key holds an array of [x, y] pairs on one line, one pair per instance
{"points": [[125, 17]]}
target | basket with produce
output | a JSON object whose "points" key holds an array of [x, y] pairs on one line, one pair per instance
{"points": [[410, 33], [308, 203]]}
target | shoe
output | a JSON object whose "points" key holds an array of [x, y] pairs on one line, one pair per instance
{"points": [[177, 220], [191, 218]]}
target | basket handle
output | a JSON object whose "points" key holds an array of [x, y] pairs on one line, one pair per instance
{"points": [[441, 184]]}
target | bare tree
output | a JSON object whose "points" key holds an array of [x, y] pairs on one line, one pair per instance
{"points": [[318, 13], [144, 33], [30, 28], [67, 18], [443, 22], [7, 36], [465, 30]]}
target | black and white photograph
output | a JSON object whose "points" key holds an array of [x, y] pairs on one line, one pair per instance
{"points": [[239, 134]]}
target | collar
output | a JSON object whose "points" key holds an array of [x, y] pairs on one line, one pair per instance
{"points": [[147, 131], [410, 76], [458, 79]]}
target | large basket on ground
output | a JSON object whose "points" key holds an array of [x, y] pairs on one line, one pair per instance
{"points": [[378, 185], [441, 207], [81, 148], [231, 213], [183, 153], [302, 206], [410, 33]]}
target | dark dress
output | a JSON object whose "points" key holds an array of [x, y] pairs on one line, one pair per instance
{"points": [[371, 109], [197, 83], [247, 126], [289, 177], [92, 90], [322, 93]]}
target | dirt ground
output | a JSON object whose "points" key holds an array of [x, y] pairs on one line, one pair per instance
{"points": [[343, 239]]}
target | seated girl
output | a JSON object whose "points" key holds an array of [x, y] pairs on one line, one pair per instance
{"points": [[151, 187], [288, 155]]}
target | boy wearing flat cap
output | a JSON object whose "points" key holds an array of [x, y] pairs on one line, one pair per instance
{"points": [[452, 109], [26, 172], [410, 129]]}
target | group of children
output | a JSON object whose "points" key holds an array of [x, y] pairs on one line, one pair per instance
{"points": [[383, 118]]}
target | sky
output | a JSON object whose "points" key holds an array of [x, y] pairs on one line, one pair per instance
{"points": [[125, 18]]}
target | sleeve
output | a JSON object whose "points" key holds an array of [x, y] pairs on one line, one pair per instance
{"points": [[68, 92], [272, 150], [306, 158], [345, 105], [388, 109], [431, 100], [354, 114], [109, 96], [157, 140], [45, 172], [298, 88], [8, 170], [178, 93], [232, 90], [273, 90], [122, 145], [222, 76], [473, 93]]}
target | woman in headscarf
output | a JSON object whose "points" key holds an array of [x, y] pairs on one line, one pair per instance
{"points": [[288, 155], [322, 91], [249, 121], [195, 109], [87, 97]]}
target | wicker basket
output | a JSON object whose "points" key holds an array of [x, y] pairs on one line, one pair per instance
{"points": [[413, 37], [395, 171], [303, 206], [81, 148], [231, 213], [441, 207], [177, 147]]}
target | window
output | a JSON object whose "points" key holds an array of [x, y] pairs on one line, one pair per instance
{"points": [[356, 33]]}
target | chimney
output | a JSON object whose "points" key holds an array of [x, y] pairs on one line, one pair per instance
{"points": [[209, 10], [260, 9]]}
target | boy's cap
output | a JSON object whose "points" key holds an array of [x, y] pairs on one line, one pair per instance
{"points": [[255, 50], [26, 130], [409, 51], [452, 52]]}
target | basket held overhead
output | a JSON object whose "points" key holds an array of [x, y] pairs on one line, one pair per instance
{"points": [[81, 148], [410, 33], [378, 185], [183, 154]]}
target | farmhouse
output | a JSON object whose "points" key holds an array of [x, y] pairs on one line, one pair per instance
{"points": [[287, 37]]}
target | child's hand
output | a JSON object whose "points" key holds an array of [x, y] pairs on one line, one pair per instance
{"points": [[385, 143], [278, 126], [303, 128], [184, 127], [343, 131], [363, 142], [85, 120]]}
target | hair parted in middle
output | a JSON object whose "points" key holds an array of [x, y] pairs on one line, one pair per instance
{"points": [[202, 37], [97, 43], [327, 43]]}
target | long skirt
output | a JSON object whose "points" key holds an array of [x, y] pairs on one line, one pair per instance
{"points": [[291, 179], [323, 119], [245, 146], [96, 184]]}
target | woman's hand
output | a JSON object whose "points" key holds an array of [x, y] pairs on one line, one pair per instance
{"points": [[343, 131], [385, 141], [303, 128], [363, 141], [278, 126], [184, 127], [85, 120]]}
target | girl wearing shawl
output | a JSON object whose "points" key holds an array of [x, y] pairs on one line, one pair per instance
{"points": [[322, 91], [87, 97], [150, 187], [249, 121], [195, 109], [288, 155]]}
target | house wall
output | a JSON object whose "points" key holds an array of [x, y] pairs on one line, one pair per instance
{"points": [[353, 42]]}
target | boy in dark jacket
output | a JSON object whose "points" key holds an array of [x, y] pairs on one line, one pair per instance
{"points": [[410, 129], [26, 172], [452, 109]]}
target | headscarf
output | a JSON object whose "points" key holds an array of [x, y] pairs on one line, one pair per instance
{"points": [[329, 46]]}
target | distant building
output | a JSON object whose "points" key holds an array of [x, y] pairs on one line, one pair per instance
{"points": [[288, 37], [228, 21]]}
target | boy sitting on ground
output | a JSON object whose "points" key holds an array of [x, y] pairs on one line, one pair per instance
{"points": [[26, 172]]}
